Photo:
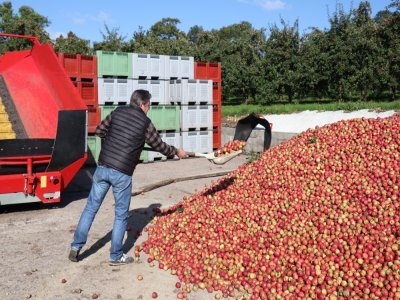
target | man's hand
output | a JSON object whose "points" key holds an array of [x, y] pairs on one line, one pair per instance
{"points": [[181, 153]]}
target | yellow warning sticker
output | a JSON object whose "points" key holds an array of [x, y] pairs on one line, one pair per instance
{"points": [[43, 181]]}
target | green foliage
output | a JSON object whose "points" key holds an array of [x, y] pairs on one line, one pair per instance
{"points": [[71, 44], [357, 58], [241, 110], [25, 22], [112, 40]]}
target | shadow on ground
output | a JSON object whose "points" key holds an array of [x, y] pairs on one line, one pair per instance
{"points": [[137, 221]]}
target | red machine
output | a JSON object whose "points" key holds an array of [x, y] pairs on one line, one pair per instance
{"points": [[46, 119]]}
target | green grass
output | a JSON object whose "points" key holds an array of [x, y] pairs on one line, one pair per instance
{"points": [[243, 109]]}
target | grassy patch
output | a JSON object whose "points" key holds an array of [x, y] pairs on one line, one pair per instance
{"points": [[243, 109]]}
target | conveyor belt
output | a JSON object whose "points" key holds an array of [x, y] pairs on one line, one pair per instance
{"points": [[10, 123]]}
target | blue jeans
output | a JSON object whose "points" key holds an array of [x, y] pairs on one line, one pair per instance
{"points": [[121, 184]]}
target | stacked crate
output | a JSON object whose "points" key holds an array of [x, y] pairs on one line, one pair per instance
{"points": [[82, 70], [184, 110], [195, 100], [212, 71]]}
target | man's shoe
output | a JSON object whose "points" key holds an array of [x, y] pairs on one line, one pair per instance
{"points": [[73, 255], [125, 259]]}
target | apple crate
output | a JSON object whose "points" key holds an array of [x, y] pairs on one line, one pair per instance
{"points": [[179, 67], [196, 117], [106, 110], [148, 66], [186, 66], [197, 141], [114, 64], [191, 91], [165, 117], [217, 93], [157, 88], [207, 70], [172, 138], [93, 149], [144, 156], [114, 90]]}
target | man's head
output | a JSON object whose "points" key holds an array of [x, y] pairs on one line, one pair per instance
{"points": [[141, 98]]}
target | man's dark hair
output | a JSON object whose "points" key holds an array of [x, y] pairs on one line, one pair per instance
{"points": [[140, 96]]}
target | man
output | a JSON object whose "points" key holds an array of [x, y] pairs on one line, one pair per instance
{"points": [[123, 133]]}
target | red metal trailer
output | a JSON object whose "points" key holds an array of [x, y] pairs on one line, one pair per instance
{"points": [[43, 126]]}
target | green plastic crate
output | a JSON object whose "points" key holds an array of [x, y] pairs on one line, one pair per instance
{"points": [[171, 118], [144, 156], [165, 117], [156, 115], [94, 147], [106, 110], [114, 64]]}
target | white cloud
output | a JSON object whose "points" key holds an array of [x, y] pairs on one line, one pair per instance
{"points": [[53, 35], [78, 20], [266, 4], [273, 5], [101, 17]]}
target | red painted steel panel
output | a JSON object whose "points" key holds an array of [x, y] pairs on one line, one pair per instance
{"points": [[39, 87]]}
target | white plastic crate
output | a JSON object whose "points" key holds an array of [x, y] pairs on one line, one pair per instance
{"points": [[159, 89], [148, 66], [171, 92], [153, 155], [186, 67], [205, 91], [114, 90], [171, 138], [205, 116], [196, 117], [191, 91], [179, 67], [197, 141], [189, 117]]}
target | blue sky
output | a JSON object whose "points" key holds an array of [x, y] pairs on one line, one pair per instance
{"points": [[86, 18]]}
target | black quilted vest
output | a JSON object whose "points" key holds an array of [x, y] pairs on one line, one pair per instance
{"points": [[125, 139]]}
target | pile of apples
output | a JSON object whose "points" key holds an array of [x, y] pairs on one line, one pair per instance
{"points": [[229, 148], [316, 217]]}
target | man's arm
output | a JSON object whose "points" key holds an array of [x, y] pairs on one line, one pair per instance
{"points": [[154, 140], [102, 128]]}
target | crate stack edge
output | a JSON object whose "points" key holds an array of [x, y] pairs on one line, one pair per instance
{"points": [[82, 70], [212, 71]]}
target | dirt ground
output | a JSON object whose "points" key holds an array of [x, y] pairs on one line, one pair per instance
{"points": [[35, 239]]}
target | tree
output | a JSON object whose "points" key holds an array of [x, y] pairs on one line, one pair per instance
{"points": [[282, 56], [26, 22], [194, 33], [239, 47], [112, 40], [314, 70], [365, 56], [71, 44], [339, 54], [388, 35]]}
